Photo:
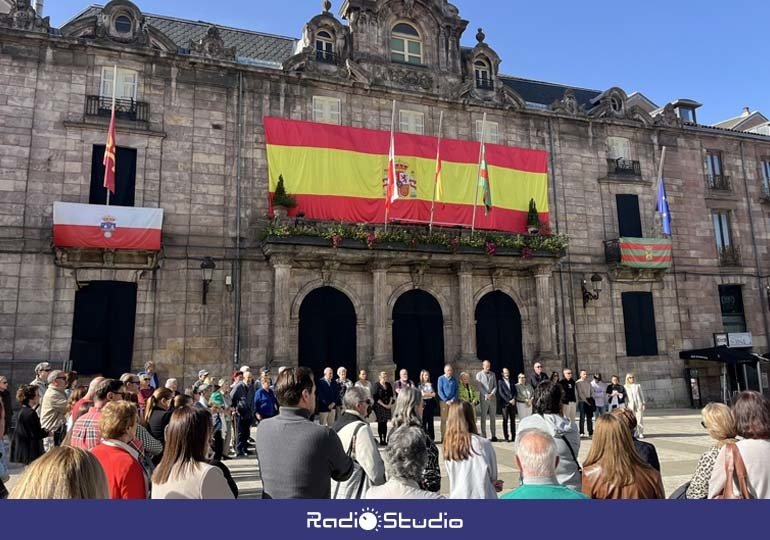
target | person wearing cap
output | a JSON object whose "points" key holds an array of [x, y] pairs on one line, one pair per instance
{"points": [[202, 374], [53, 410], [41, 379], [205, 393]]}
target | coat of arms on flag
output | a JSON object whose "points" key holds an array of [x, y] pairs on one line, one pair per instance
{"points": [[108, 225]]}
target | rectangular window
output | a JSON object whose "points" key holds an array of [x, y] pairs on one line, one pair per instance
{"points": [[765, 165], [639, 323], [731, 301], [125, 177], [411, 122], [126, 85], [619, 147], [721, 220], [326, 110], [629, 220], [490, 132], [713, 164]]}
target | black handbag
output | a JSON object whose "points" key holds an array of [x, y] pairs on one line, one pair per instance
{"points": [[680, 492]]}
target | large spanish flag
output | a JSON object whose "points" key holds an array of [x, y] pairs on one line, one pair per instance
{"points": [[340, 173]]}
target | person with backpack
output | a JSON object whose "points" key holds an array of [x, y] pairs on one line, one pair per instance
{"points": [[359, 443]]}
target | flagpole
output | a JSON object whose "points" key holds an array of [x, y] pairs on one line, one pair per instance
{"points": [[388, 193], [478, 175], [438, 171], [657, 182], [112, 117]]}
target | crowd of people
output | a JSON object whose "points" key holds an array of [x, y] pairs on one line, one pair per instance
{"points": [[133, 438]]}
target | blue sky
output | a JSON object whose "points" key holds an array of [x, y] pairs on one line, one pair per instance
{"points": [[713, 52]]}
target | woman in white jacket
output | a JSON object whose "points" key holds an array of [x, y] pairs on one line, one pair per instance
{"points": [[358, 441], [636, 402]]}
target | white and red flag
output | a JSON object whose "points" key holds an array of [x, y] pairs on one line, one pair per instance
{"points": [[111, 227]]}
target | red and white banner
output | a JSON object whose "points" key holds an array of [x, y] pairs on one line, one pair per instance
{"points": [[111, 227]]}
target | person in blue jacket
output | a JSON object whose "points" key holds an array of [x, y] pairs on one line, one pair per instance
{"points": [[328, 393], [447, 393], [265, 403]]}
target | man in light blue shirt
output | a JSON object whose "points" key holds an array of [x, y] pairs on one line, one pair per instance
{"points": [[447, 393]]}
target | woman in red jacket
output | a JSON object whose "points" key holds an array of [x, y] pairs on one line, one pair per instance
{"points": [[125, 475]]}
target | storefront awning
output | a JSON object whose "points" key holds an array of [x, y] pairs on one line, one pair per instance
{"points": [[721, 354]]}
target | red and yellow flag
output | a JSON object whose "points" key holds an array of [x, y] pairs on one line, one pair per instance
{"points": [[437, 178], [109, 156], [342, 174]]}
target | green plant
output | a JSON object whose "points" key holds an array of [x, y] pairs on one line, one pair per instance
{"points": [[533, 219], [281, 198]]}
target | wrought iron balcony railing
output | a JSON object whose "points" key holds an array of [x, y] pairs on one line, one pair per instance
{"points": [[765, 194], [718, 182], [128, 109], [624, 167], [729, 255], [327, 57], [485, 84]]}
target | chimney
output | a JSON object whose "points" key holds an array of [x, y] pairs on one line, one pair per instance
{"points": [[39, 7], [746, 112]]}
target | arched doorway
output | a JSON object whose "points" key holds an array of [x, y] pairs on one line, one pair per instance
{"points": [[327, 332], [418, 335], [498, 333]]}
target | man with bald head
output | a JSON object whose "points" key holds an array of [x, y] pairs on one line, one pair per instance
{"points": [[537, 458]]}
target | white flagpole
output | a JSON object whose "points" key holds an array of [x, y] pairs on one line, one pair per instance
{"points": [[114, 89], [436, 178], [395, 180], [478, 174], [657, 184]]}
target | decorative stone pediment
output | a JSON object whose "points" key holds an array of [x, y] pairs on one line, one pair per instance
{"points": [[668, 117], [23, 17], [212, 46], [568, 104], [481, 52], [335, 49], [609, 104]]}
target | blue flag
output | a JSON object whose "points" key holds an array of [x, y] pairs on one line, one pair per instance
{"points": [[665, 216]]}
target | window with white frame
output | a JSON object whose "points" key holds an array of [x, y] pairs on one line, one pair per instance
{"points": [[126, 83], [405, 44], [765, 165], [411, 122], [619, 148], [324, 46], [326, 110], [721, 220], [490, 131], [482, 73]]}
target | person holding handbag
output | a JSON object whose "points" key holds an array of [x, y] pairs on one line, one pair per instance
{"points": [[358, 441], [749, 456], [616, 393]]}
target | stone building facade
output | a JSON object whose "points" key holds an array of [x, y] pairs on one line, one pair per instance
{"points": [[196, 96]]}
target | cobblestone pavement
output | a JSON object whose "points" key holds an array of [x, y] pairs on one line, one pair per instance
{"points": [[676, 434]]}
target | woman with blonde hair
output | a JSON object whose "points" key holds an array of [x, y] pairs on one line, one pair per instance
{"points": [[121, 462], [407, 411], [719, 421], [614, 469], [524, 395], [469, 459], [636, 402], [63, 472]]}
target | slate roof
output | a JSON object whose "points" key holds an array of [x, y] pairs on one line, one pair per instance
{"points": [[545, 93], [248, 44]]}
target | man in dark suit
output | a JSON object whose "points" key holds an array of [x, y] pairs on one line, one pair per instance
{"points": [[538, 376], [328, 398], [506, 390]]}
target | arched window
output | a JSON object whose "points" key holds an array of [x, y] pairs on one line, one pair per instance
{"points": [[324, 47], [405, 44], [123, 24], [483, 74]]}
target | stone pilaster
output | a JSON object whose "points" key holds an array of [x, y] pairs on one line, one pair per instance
{"points": [[381, 329], [545, 318], [281, 310], [467, 322]]}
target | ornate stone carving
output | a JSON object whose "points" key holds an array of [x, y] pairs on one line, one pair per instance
{"points": [[328, 270], [418, 274], [411, 78], [212, 46], [568, 104], [23, 17], [668, 117], [609, 104], [510, 98], [356, 73], [496, 275]]}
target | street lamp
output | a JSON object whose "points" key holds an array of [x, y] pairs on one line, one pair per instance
{"points": [[596, 285], [207, 267]]}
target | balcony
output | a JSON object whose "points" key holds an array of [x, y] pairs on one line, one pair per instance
{"points": [[718, 183], [126, 109], [623, 167], [764, 196], [327, 57], [729, 255], [485, 84], [638, 259]]}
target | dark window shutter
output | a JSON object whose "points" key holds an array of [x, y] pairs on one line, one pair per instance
{"points": [[639, 323], [629, 221], [125, 177]]}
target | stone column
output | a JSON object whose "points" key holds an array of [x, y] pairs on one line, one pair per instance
{"points": [[281, 310], [467, 322], [545, 318], [381, 344]]}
